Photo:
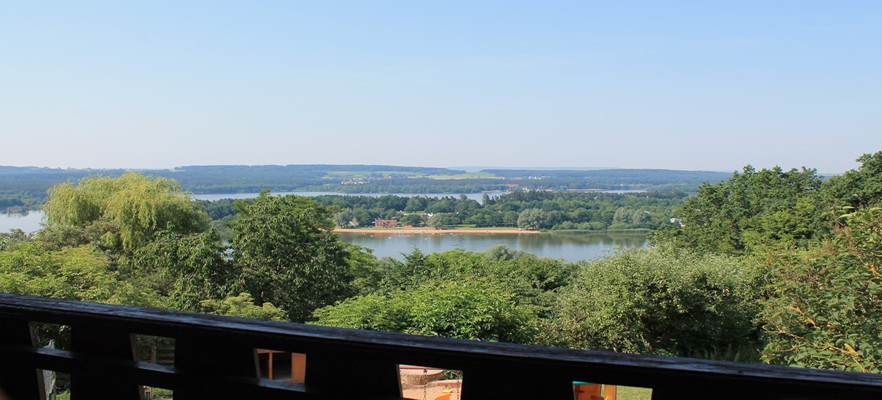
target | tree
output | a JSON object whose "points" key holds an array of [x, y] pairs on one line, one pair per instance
{"points": [[186, 269], [532, 280], [129, 209], [78, 273], [658, 301], [289, 255], [474, 309], [532, 219], [825, 305], [345, 219], [416, 203], [412, 220], [752, 208], [860, 187], [242, 306], [438, 221], [9, 240], [622, 216]]}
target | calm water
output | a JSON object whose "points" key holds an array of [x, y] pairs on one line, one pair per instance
{"points": [[215, 197], [473, 196], [28, 222], [570, 247]]}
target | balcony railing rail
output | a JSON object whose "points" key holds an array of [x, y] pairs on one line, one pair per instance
{"points": [[215, 357]]}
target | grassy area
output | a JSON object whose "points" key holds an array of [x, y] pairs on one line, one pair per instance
{"points": [[365, 174], [468, 175], [633, 393]]}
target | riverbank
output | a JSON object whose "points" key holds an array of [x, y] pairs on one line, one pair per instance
{"points": [[431, 231]]}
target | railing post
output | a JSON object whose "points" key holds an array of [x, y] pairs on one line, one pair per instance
{"points": [[19, 382], [209, 361], [505, 383], [106, 342], [367, 374]]}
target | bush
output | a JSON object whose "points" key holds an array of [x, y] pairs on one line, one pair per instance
{"points": [[473, 309], [825, 307], [658, 301]]}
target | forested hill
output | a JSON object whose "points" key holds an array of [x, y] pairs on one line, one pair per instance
{"points": [[239, 178], [26, 186], [222, 178]]}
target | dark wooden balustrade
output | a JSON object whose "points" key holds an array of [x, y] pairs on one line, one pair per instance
{"points": [[215, 357]]}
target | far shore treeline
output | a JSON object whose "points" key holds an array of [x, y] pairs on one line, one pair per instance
{"points": [[24, 188], [771, 265], [528, 211]]}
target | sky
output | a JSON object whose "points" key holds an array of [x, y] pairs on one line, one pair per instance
{"points": [[694, 85]]}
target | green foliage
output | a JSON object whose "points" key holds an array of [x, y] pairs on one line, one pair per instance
{"points": [[442, 220], [185, 269], [532, 219], [531, 279], [657, 301], [242, 306], [29, 184], [8, 240], [364, 269], [860, 187], [221, 212], [825, 305], [413, 220], [470, 310], [375, 311], [79, 273], [753, 208], [536, 210], [497, 295], [19, 202], [130, 209], [288, 254], [474, 309]]}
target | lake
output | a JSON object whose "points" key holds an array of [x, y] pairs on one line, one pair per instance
{"points": [[28, 222], [473, 196], [570, 247], [214, 197]]}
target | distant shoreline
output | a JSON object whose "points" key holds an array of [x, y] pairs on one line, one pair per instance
{"points": [[431, 231]]}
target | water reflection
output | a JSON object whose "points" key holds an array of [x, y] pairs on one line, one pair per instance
{"points": [[570, 247], [28, 221]]}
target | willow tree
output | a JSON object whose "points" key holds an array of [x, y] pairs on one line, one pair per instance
{"points": [[126, 211]]}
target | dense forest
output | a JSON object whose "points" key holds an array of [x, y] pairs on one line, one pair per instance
{"points": [[26, 187], [575, 212], [772, 265], [524, 210]]}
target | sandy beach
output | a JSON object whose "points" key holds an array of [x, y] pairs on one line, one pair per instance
{"points": [[430, 231]]}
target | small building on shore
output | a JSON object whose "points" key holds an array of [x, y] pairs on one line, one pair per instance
{"points": [[385, 223]]}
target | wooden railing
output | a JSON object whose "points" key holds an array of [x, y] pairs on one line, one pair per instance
{"points": [[215, 357]]}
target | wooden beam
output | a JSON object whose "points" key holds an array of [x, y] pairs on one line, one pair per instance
{"points": [[211, 361], [212, 349], [105, 341], [15, 381]]}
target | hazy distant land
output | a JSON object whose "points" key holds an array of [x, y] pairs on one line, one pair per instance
{"points": [[25, 187]]}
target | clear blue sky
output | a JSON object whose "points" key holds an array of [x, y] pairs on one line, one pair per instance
{"points": [[709, 85]]}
